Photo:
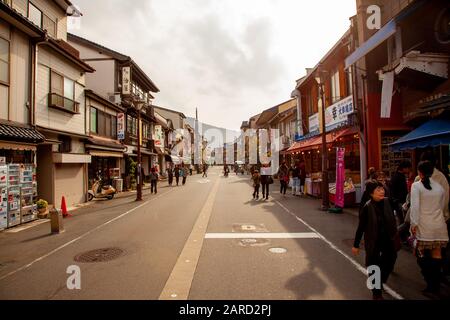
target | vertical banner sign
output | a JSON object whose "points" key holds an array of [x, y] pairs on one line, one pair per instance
{"points": [[386, 94], [140, 132], [121, 126], [126, 80], [340, 177], [159, 139]]}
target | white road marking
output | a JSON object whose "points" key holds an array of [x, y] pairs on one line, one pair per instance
{"points": [[262, 235], [179, 283], [359, 267], [81, 237]]}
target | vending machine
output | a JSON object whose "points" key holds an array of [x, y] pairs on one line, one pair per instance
{"points": [[28, 210], [3, 197], [13, 195]]}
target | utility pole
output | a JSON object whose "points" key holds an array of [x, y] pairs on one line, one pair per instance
{"points": [[325, 191]]}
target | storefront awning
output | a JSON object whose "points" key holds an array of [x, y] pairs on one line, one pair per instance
{"points": [[315, 142], [106, 154], [17, 146], [433, 133], [20, 134]]}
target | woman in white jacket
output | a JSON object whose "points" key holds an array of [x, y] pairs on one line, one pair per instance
{"points": [[428, 224]]}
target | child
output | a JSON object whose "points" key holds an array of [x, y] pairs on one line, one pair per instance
{"points": [[256, 177]]}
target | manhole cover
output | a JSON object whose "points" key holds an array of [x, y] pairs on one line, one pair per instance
{"points": [[277, 250], [99, 255], [349, 243]]}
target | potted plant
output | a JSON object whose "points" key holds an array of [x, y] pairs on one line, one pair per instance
{"points": [[42, 206]]}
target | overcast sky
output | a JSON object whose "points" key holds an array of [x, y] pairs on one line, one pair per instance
{"points": [[230, 58]]}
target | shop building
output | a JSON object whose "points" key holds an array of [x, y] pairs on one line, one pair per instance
{"points": [[107, 83], [106, 150], [341, 123]]}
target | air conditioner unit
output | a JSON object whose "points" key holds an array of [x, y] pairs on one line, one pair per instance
{"points": [[114, 98]]}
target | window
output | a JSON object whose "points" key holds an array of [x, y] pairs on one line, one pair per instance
{"points": [[49, 25], [4, 78], [335, 88], [34, 14], [132, 126], [101, 123], [349, 79], [94, 120], [113, 127], [62, 93]]}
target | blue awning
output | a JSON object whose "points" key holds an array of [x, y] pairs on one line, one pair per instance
{"points": [[433, 133]]}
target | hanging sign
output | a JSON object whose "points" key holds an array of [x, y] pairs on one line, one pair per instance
{"points": [[340, 177], [121, 126], [126, 80]]}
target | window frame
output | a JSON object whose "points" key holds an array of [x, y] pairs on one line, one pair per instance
{"points": [[96, 120], [37, 8], [8, 84], [335, 86]]}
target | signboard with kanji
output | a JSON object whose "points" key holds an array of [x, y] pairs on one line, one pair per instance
{"points": [[126, 80]]}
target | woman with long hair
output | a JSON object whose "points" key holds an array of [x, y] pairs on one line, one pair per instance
{"points": [[428, 225]]}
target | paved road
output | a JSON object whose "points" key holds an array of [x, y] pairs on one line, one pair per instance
{"points": [[205, 240]]}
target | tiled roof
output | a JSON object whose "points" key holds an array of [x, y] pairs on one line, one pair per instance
{"points": [[22, 134]]}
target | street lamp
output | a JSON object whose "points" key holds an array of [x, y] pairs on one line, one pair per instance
{"points": [[138, 105], [325, 191]]}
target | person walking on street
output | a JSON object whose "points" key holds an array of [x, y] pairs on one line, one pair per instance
{"points": [[377, 224], [428, 225], [399, 188], [153, 181], [295, 179], [256, 177], [170, 175], [205, 171], [283, 175], [302, 177], [265, 182], [183, 174], [177, 174]]}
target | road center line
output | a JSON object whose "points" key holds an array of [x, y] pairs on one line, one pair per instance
{"points": [[262, 235], [81, 237], [359, 267], [179, 283]]}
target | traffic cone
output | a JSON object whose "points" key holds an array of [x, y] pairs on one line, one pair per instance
{"points": [[64, 208]]}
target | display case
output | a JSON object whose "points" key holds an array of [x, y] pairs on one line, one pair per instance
{"points": [[28, 190], [390, 160], [13, 195], [3, 197]]}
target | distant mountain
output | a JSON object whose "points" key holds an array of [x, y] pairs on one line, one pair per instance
{"points": [[216, 136]]}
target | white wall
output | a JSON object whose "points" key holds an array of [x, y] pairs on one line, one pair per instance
{"points": [[51, 118], [102, 80]]}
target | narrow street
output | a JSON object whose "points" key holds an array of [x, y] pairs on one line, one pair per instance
{"points": [[205, 240]]}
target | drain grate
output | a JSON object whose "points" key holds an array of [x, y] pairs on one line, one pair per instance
{"points": [[99, 255]]}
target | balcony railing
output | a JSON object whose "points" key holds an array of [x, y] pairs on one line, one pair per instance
{"points": [[62, 103]]}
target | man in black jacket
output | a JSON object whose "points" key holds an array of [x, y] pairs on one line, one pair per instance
{"points": [[399, 188]]}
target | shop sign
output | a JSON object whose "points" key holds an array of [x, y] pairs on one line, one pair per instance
{"points": [[338, 113], [340, 177], [121, 126], [159, 136], [314, 123], [126, 80]]}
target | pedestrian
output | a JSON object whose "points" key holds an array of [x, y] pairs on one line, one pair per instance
{"points": [[183, 174], [377, 224], [170, 175], [205, 171], [295, 172], [428, 225], [153, 181], [256, 177], [190, 170], [266, 180], [302, 177], [177, 174], [372, 177], [399, 188], [283, 175]]}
